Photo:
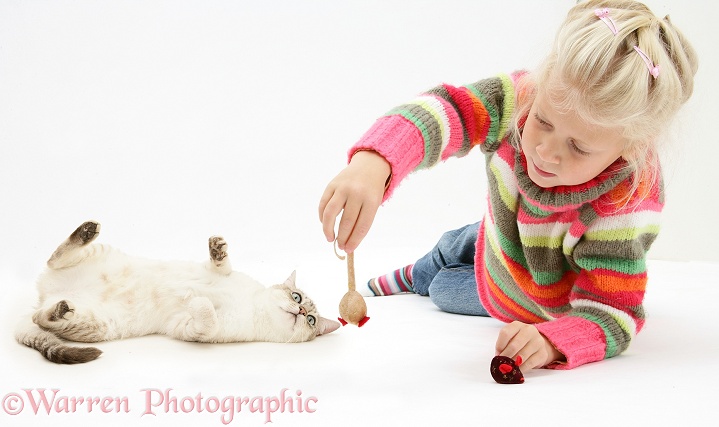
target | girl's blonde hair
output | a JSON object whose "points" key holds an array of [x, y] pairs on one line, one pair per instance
{"points": [[601, 77]]}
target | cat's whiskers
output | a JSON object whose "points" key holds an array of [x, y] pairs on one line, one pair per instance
{"points": [[298, 329]]}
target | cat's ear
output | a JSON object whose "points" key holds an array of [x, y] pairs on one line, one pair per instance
{"points": [[326, 326], [290, 282]]}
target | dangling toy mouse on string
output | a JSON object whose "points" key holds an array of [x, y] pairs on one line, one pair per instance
{"points": [[352, 306]]}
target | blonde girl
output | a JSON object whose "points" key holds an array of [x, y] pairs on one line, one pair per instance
{"points": [[575, 189]]}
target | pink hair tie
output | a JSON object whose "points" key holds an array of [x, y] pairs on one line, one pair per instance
{"points": [[653, 69], [603, 14]]}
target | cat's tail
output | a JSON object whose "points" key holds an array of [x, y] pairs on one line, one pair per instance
{"points": [[50, 346]]}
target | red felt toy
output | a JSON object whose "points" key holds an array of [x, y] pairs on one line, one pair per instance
{"points": [[504, 370]]}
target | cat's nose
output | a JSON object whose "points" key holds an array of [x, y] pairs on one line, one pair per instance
{"points": [[302, 311]]}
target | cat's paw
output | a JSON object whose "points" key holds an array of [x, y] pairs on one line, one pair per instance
{"points": [[64, 310], [218, 249], [204, 317], [85, 233]]}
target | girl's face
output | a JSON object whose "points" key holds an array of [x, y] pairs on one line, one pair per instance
{"points": [[562, 150]]}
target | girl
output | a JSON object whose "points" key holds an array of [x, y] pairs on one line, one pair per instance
{"points": [[575, 190]]}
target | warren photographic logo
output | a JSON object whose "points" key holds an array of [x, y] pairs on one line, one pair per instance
{"points": [[157, 402]]}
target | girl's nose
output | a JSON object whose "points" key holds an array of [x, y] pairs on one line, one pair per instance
{"points": [[548, 152]]}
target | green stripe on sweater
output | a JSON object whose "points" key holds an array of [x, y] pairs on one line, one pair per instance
{"points": [[620, 265], [508, 108], [546, 278], [509, 201], [534, 211], [407, 114], [551, 242], [628, 233], [509, 248]]}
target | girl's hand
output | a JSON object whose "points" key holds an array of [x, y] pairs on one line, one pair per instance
{"points": [[525, 340], [357, 192]]}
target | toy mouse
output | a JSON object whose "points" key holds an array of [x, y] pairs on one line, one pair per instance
{"points": [[504, 370], [352, 306]]}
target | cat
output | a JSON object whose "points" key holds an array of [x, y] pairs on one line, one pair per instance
{"points": [[94, 292]]}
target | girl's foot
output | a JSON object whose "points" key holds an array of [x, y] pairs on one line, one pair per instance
{"points": [[395, 282]]}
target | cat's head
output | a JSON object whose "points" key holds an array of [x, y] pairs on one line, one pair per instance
{"points": [[293, 315]]}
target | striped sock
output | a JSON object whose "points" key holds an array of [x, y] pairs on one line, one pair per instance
{"points": [[392, 283]]}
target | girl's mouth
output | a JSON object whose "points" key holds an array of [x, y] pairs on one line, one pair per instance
{"points": [[542, 173]]}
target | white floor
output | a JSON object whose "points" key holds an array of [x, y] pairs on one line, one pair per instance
{"points": [[411, 364]]}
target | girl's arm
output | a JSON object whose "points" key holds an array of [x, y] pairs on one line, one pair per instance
{"points": [[607, 296], [444, 122]]}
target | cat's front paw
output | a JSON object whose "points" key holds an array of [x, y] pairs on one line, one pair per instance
{"points": [[204, 323]]}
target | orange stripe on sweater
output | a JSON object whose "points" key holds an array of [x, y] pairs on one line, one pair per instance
{"points": [[610, 281], [481, 117], [515, 310], [524, 279]]}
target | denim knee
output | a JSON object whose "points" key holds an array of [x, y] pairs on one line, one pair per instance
{"points": [[453, 248], [454, 290]]}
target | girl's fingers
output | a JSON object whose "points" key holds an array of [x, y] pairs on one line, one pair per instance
{"points": [[506, 334], [329, 211], [361, 227], [324, 200], [347, 223]]}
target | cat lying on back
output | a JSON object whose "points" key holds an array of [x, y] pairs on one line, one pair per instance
{"points": [[92, 292]]}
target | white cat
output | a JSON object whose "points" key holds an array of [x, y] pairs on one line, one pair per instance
{"points": [[92, 292]]}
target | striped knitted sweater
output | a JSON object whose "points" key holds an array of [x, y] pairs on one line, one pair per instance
{"points": [[569, 259]]}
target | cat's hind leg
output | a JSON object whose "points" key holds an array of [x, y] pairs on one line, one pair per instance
{"points": [[218, 255], [63, 320], [76, 247], [198, 323], [50, 346]]}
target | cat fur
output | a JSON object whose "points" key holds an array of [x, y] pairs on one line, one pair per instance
{"points": [[93, 292]]}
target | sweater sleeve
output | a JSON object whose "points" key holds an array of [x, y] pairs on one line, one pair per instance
{"points": [[444, 122], [606, 299]]}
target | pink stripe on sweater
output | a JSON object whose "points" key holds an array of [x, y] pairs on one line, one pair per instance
{"points": [[456, 130], [581, 340], [399, 141]]}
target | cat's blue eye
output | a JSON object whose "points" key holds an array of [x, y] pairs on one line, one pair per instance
{"points": [[311, 320], [297, 297]]}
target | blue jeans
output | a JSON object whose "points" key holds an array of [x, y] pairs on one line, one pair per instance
{"points": [[446, 273]]}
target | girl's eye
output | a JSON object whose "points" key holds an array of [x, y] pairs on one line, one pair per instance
{"points": [[296, 297], [311, 320], [577, 149], [541, 122]]}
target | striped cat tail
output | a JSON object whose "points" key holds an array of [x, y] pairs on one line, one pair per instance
{"points": [[51, 347]]}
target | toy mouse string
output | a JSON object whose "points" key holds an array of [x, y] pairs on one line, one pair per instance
{"points": [[350, 267]]}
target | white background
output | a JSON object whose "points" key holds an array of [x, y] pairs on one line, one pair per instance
{"points": [[170, 121]]}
